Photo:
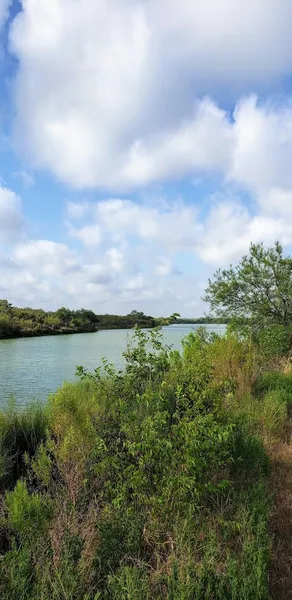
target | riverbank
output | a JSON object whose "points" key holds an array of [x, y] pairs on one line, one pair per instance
{"points": [[152, 483], [45, 333], [28, 322], [64, 331]]}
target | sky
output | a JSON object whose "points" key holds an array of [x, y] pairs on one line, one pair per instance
{"points": [[143, 145]]}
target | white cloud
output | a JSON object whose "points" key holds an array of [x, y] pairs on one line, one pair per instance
{"points": [[229, 229], [90, 235], [135, 283], [262, 153], [116, 258], [77, 210], [172, 224], [137, 270], [11, 219], [233, 40], [106, 90], [221, 236], [202, 143], [47, 258], [163, 267], [278, 201]]}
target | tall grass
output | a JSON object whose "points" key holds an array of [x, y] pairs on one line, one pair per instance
{"points": [[21, 432]]}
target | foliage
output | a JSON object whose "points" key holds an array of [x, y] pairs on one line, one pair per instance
{"points": [[19, 322], [207, 320], [274, 380], [21, 432], [147, 483], [27, 514], [259, 288], [273, 341]]}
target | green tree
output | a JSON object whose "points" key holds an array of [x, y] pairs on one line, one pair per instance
{"points": [[258, 289], [5, 307], [64, 315], [173, 318]]}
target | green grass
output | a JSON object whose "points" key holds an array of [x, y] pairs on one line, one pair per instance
{"points": [[21, 432], [274, 380]]}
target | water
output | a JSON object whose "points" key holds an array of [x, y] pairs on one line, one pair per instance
{"points": [[34, 367]]}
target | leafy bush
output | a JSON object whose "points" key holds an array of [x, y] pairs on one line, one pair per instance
{"points": [[273, 341]]}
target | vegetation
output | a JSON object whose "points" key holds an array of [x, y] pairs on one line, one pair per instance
{"points": [[207, 320], [257, 293], [149, 483], [21, 322], [159, 482]]}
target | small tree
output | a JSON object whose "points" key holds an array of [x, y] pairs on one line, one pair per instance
{"points": [[258, 289]]}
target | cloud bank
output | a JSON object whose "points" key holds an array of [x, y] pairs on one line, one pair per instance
{"points": [[112, 97]]}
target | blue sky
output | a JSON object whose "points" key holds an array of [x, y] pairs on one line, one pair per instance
{"points": [[143, 144]]}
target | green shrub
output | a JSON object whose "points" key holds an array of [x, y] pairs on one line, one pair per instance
{"points": [[273, 341], [27, 514], [17, 572]]}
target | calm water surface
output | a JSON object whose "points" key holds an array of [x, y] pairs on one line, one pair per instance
{"points": [[34, 367]]}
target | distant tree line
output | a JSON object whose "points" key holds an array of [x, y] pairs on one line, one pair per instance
{"points": [[25, 322], [204, 321]]}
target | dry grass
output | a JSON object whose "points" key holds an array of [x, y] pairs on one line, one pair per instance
{"points": [[82, 525], [286, 365]]}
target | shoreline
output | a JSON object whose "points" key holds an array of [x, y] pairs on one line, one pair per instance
{"points": [[109, 328], [60, 333]]}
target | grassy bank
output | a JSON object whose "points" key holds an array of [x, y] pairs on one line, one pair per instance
{"points": [[154, 483]]}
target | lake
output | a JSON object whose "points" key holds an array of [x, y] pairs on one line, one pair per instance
{"points": [[31, 368]]}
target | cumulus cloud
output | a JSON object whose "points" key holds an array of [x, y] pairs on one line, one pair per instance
{"points": [[229, 229], [48, 274], [163, 266], [221, 235], [262, 152], [116, 258], [106, 90], [11, 219], [90, 235], [136, 266], [48, 257], [173, 224]]}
